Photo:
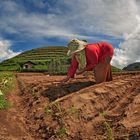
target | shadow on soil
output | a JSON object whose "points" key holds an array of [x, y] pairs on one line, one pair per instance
{"points": [[56, 92]]}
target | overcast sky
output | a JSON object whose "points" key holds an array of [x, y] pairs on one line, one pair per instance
{"points": [[27, 24]]}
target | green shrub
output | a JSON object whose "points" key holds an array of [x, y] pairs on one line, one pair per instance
{"points": [[4, 104], [7, 82]]}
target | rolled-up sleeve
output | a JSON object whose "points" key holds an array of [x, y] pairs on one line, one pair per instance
{"points": [[73, 67]]}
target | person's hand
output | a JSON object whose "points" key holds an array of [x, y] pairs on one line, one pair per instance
{"points": [[54, 84], [80, 72], [64, 80]]}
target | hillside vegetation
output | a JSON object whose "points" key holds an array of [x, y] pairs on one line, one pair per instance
{"points": [[133, 67], [45, 59], [51, 59]]}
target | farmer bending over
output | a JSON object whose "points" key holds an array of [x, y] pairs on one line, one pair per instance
{"points": [[87, 57]]}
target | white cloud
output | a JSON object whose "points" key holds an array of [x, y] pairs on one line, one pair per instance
{"points": [[80, 18], [5, 51], [129, 50], [94, 16]]}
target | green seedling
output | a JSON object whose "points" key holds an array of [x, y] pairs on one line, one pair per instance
{"points": [[48, 111], [109, 132], [54, 109], [72, 110], [61, 132], [58, 113]]}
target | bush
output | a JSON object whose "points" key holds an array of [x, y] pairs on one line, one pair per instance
{"points": [[7, 82]]}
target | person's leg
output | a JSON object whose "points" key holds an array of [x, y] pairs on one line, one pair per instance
{"points": [[109, 69], [109, 74], [103, 71], [100, 73]]}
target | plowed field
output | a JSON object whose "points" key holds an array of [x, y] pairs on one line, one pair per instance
{"points": [[78, 110]]}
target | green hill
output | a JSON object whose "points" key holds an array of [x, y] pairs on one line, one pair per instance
{"points": [[44, 59], [51, 59], [133, 67]]}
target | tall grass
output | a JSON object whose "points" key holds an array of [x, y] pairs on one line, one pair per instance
{"points": [[7, 82]]}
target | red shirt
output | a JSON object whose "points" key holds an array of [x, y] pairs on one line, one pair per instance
{"points": [[95, 53]]}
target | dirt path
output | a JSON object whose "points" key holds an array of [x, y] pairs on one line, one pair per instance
{"points": [[12, 123]]}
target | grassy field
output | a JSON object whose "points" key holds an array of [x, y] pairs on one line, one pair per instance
{"points": [[114, 69], [7, 82]]}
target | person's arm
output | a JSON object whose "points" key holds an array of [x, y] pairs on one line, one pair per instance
{"points": [[71, 71], [65, 79], [73, 67], [80, 72]]}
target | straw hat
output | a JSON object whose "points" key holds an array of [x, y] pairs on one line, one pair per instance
{"points": [[75, 46]]}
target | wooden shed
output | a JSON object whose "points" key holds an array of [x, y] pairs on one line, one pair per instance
{"points": [[28, 65]]}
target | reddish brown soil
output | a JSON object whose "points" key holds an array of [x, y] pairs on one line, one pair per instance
{"points": [[73, 109]]}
